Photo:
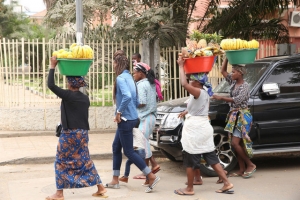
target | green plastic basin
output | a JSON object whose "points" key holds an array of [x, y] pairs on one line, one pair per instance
{"points": [[243, 56], [74, 67]]}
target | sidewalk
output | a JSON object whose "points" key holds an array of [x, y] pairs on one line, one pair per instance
{"points": [[39, 147]]}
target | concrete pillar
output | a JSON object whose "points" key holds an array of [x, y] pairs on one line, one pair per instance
{"points": [[151, 55]]}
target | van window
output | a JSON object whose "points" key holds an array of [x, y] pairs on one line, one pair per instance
{"points": [[287, 77], [254, 72]]}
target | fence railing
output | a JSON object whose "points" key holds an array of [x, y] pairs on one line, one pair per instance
{"points": [[24, 66]]}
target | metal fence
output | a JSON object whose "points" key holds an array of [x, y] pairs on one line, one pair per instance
{"points": [[24, 66]]}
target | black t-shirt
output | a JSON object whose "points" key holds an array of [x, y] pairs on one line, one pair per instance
{"points": [[74, 106]]}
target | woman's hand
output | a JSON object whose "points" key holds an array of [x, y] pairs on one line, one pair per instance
{"points": [[180, 61], [117, 118], [216, 97], [182, 114], [53, 62]]}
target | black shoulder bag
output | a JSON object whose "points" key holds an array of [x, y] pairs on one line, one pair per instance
{"points": [[59, 126]]}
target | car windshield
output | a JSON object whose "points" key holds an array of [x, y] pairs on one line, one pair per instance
{"points": [[254, 72]]}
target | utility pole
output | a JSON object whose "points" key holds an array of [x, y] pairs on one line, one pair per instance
{"points": [[79, 22], [79, 30]]}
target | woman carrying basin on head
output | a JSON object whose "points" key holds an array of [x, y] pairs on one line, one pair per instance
{"points": [[239, 119], [197, 132], [73, 165]]}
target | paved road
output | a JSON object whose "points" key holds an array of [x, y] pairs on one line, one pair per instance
{"points": [[277, 178]]}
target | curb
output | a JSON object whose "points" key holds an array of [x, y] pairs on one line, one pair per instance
{"points": [[7, 134], [51, 159]]}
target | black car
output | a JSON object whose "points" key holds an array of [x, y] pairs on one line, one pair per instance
{"points": [[274, 104]]}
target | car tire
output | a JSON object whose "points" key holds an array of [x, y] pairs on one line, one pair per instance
{"points": [[169, 156], [223, 150]]}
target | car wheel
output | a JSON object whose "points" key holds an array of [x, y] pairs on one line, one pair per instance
{"points": [[223, 150], [169, 156]]}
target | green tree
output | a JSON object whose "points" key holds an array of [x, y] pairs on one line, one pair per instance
{"points": [[10, 22], [250, 19], [166, 20]]}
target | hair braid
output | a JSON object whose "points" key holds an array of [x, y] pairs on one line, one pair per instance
{"points": [[122, 63]]}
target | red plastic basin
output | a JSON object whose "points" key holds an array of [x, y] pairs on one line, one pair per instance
{"points": [[199, 64]]}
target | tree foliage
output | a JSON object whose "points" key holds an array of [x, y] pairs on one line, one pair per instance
{"points": [[166, 20], [18, 25], [247, 19], [10, 22]]}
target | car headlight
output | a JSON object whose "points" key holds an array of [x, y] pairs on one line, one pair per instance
{"points": [[172, 121]]}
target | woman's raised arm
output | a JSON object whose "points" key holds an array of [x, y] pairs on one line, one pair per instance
{"points": [[224, 68]]}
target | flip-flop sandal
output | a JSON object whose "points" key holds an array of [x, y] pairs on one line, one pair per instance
{"points": [[49, 198], [139, 177], [182, 193], [113, 186], [150, 188], [154, 171], [225, 191], [249, 174], [101, 195]]}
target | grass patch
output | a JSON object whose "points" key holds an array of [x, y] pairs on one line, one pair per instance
{"points": [[99, 104]]}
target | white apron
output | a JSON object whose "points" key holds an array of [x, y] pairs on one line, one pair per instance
{"points": [[197, 135]]}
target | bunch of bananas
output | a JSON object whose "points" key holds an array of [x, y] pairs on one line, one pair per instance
{"points": [[236, 44], [75, 51]]}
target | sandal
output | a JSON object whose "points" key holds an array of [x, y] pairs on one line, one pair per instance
{"points": [[113, 186], [226, 190], [180, 192], [50, 198], [150, 188], [101, 195], [154, 171]]}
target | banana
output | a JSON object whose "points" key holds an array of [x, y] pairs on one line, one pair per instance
{"points": [[235, 44], [73, 45], [74, 51], [84, 50], [80, 52]]}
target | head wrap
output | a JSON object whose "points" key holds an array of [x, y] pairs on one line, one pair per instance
{"points": [[76, 81], [203, 79], [142, 67], [240, 68]]}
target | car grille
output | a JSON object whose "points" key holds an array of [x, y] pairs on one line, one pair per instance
{"points": [[159, 121]]}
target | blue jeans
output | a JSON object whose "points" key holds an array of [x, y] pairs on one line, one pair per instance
{"points": [[124, 139], [141, 153]]}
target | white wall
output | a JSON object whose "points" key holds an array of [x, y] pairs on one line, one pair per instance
{"points": [[40, 119]]}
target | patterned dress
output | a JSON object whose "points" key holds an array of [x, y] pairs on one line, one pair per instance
{"points": [[239, 116], [147, 114], [73, 165]]}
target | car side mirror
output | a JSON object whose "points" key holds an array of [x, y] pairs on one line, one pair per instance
{"points": [[270, 88]]}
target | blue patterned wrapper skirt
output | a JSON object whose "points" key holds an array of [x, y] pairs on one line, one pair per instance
{"points": [[73, 165]]}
